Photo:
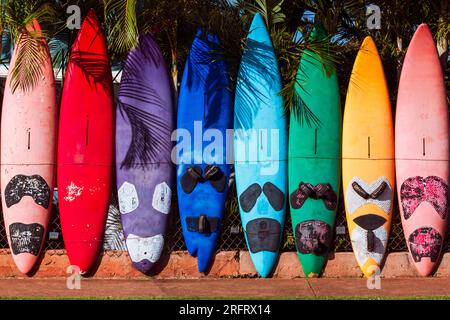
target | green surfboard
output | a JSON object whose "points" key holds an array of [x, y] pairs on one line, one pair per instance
{"points": [[315, 160]]}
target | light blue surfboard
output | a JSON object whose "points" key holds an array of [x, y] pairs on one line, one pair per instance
{"points": [[260, 148]]}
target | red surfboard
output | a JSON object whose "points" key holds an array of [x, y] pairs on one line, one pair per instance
{"points": [[85, 145]]}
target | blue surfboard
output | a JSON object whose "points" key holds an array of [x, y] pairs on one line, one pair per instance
{"points": [[204, 115], [260, 148]]}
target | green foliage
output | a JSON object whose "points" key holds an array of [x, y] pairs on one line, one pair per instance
{"points": [[175, 22], [121, 19], [18, 17]]}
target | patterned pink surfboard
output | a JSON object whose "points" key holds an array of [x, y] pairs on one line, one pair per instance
{"points": [[422, 152], [28, 150]]}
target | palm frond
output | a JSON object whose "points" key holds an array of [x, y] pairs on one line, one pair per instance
{"points": [[271, 10], [114, 238], [30, 59], [122, 21], [18, 17]]}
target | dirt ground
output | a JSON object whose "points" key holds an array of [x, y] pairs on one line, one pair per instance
{"points": [[233, 288]]}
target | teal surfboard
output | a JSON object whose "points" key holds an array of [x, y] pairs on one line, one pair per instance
{"points": [[314, 160], [260, 148]]}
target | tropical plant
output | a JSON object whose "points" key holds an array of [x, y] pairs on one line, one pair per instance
{"points": [[18, 17]]}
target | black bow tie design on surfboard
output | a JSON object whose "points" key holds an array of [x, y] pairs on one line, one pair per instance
{"points": [[34, 186], [370, 222], [274, 195], [365, 195], [322, 191], [194, 175]]}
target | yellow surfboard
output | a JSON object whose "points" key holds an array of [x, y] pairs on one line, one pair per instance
{"points": [[368, 167]]}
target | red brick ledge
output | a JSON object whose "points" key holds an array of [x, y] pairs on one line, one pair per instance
{"points": [[227, 264]]}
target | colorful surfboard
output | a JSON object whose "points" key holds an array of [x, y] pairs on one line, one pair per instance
{"points": [[422, 152], [28, 155], [85, 146], [204, 115], [145, 172], [315, 159], [260, 146], [368, 172]]}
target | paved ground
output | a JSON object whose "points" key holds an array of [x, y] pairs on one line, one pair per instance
{"points": [[244, 288]]}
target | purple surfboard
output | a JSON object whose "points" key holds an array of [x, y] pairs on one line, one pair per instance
{"points": [[145, 173]]}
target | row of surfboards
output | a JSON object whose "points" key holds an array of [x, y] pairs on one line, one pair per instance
{"points": [[82, 146]]}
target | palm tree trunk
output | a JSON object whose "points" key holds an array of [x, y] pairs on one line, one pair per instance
{"points": [[174, 69], [172, 38], [399, 59]]}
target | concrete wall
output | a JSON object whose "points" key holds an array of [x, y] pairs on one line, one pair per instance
{"points": [[227, 264]]}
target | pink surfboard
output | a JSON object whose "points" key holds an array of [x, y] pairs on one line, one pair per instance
{"points": [[28, 150], [422, 152]]}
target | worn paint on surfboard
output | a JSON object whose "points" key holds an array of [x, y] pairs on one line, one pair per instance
{"points": [[422, 152], [368, 168]]}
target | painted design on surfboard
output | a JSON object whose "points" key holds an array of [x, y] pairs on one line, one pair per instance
{"points": [[366, 246], [369, 237], [263, 234], [73, 191], [313, 236], [322, 191], [33, 186], [162, 197], [26, 238], [145, 248], [425, 242], [360, 193], [416, 190], [274, 195], [194, 175], [128, 198]]}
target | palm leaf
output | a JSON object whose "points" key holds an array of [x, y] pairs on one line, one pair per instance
{"points": [[18, 16], [271, 10], [121, 17], [114, 238], [30, 59]]}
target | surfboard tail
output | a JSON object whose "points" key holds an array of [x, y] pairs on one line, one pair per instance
{"points": [[204, 249], [312, 265], [264, 262]]}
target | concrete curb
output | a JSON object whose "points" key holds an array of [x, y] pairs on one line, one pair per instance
{"points": [[227, 264]]}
